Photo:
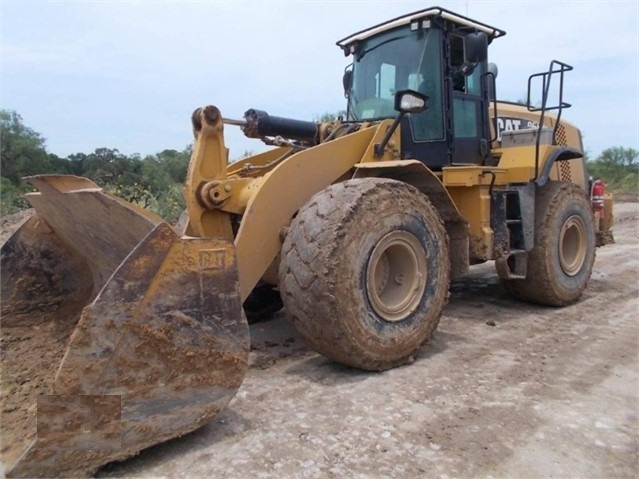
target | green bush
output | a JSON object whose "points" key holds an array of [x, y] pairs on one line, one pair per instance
{"points": [[619, 168], [12, 196]]}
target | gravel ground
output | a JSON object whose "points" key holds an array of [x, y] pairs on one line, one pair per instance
{"points": [[504, 389]]}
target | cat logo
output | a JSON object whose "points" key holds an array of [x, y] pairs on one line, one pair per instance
{"points": [[510, 123]]}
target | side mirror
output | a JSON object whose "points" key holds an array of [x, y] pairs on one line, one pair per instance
{"points": [[406, 101], [492, 68], [347, 81], [476, 46], [490, 84], [410, 101]]}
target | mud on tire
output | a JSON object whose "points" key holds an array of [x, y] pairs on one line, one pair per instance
{"points": [[365, 272], [560, 263]]}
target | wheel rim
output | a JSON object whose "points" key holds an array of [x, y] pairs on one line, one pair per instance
{"points": [[572, 245], [396, 275]]}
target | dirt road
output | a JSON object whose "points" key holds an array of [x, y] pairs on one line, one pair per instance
{"points": [[504, 389], [543, 393]]}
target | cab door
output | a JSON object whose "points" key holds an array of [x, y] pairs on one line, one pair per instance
{"points": [[468, 107]]}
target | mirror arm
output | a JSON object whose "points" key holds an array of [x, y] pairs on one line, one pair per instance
{"points": [[378, 150]]}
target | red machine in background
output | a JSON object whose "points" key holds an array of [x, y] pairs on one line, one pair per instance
{"points": [[602, 207]]}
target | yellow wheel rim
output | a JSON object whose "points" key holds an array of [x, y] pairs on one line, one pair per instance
{"points": [[396, 275], [572, 245]]}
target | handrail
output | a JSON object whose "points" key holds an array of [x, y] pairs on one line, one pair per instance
{"points": [[493, 85], [556, 67]]}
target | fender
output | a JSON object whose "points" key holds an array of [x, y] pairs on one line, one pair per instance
{"points": [[415, 173], [285, 190], [559, 153]]}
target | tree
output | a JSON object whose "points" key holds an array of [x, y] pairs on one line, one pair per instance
{"points": [[175, 163], [59, 165], [77, 163], [22, 150], [155, 182], [618, 167], [108, 167], [619, 157], [12, 196]]}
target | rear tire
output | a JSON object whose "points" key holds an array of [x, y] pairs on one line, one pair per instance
{"points": [[560, 263], [365, 272]]}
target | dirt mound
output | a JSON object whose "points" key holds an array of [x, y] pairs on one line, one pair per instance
{"points": [[32, 344], [30, 357]]}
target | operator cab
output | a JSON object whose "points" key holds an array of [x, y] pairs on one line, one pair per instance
{"points": [[439, 54]]}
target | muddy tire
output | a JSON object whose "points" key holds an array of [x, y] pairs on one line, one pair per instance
{"points": [[365, 272], [560, 263]]}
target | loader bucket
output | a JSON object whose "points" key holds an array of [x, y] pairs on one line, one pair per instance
{"points": [[116, 333]]}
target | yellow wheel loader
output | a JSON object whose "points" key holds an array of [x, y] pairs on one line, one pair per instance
{"points": [[120, 332]]}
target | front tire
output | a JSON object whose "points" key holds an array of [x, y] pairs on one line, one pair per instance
{"points": [[365, 272], [561, 261]]}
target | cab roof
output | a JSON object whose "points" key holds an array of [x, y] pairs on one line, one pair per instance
{"points": [[426, 14]]}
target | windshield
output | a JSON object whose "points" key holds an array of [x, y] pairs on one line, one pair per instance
{"points": [[396, 60]]}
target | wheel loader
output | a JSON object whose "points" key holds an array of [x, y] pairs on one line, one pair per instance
{"points": [[120, 332]]}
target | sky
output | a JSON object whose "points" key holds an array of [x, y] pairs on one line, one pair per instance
{"points": [[128, 75]]}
